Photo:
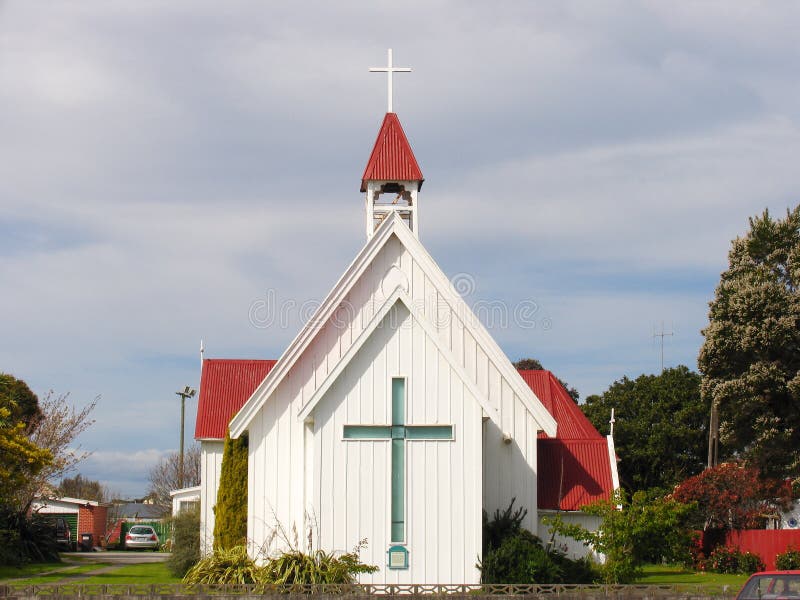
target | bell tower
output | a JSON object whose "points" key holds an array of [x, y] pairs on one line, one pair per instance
{"points": [[392, 178]]}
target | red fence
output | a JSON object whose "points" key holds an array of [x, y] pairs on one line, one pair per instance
{"points": [[765, 542]]}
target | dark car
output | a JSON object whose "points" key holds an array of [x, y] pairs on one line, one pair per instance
{"points": [[63, 534], [771, 585]]}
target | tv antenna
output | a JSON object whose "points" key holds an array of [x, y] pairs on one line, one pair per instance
{"points": [[662, 335]]}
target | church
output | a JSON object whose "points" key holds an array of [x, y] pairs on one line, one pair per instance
{"points": [[393, 416]]}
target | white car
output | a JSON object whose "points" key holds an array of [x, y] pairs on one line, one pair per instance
{"points": [[141, 537]]}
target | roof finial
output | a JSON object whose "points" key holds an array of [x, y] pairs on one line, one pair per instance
{"points": [[611, 422], [202, 350], [389, 70]]}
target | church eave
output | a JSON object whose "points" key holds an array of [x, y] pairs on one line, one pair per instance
{"points": [[398, 296], [392, 225], [241, 419]]}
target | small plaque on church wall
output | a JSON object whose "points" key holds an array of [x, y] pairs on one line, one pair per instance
{"points": [[397, 557]]}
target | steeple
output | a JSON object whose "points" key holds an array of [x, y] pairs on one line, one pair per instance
{"points": [[392, 177]]}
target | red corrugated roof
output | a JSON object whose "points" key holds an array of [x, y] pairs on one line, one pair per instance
{"points": [[574, 467], [392, 158], [572, 473], [225, 385], [572, 423]]}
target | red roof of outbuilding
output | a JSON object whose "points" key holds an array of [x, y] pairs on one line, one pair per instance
{"points": [[572, 423], [572, 473], [574, 468], [392, 158], [225, 385]]}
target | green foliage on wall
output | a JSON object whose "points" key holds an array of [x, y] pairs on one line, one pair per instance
{"points": [[230, 524], [633, 532], [512, 554]]}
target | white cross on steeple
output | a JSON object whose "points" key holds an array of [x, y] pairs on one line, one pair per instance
{"points": [[389, 69]]}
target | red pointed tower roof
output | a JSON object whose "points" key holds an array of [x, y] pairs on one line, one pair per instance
{"points": [[392, 158]]}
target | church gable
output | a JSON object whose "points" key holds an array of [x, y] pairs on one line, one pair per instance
{"points": [[394, 259]]}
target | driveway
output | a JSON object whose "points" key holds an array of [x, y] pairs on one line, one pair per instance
{"points": [[116, 557]]}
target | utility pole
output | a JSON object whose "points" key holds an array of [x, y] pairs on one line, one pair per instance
{"points": [[186, 393], [662, 335], [713, 436]]}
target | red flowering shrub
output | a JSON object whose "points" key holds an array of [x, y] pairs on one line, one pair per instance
{"points": [[724, 559], [788, 560], [731, 496]]}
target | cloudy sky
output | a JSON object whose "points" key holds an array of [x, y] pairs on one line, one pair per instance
{"points": [[167, 166]]}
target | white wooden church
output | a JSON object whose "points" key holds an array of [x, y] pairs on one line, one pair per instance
{"points": [[394, 416]]}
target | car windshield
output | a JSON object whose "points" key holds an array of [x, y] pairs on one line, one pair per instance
{"points": [[779, 585], [142, 530]]}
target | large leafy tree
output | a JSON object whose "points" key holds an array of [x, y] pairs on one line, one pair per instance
{"points": [[21, 402], [750, 359], [661, 426]]}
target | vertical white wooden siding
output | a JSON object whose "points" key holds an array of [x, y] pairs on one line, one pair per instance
{"points": [[282, 500], [443, 481], [210, 464]]}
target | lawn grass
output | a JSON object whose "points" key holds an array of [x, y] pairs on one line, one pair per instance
{"points": [[60, 574], [144, 573], [9, 572], [687, 578]]}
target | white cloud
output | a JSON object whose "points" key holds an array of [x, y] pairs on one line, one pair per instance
{"points": [[164, 165], [123, 472]]}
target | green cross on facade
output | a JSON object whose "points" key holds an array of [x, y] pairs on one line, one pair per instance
{"points": [[398, 432]]}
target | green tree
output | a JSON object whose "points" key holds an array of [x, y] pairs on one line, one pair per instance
{"points": [[20, 458], [532, 364], [750, 359], [632, 533], [56, 431], [185, 541], [230, 513], [22, 403], [80, 487], [661, 427]]}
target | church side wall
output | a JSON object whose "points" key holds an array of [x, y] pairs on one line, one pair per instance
{"points": [[210, 464], [509, 466], [275, 478], [443, 482]]}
